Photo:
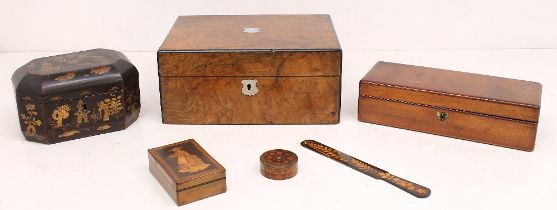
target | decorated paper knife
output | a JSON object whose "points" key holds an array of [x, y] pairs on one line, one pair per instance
{"points": [[361, 166]]}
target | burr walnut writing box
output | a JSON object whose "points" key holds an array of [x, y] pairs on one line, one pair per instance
{"points": [[486, 109], [251, 69], [186, 171], [65, 97]]}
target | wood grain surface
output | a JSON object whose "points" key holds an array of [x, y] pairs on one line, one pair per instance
{"points": [[226, 32], [500, 89], [526, 113], [296, 61], [280, 100], [485, 129], [452, 89], [486, 109], [186, 171], [278, 164], [367, 169], [250, 63]]}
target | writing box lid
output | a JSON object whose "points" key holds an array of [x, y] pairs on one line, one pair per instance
{"points": [[459, 91], [187, 164], [73, 75], [251, 32]]}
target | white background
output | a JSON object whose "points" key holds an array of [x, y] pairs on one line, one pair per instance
{"points": [[516, 39], [135, 25]]}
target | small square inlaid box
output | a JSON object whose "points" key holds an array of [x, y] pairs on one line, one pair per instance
{"points": [[186, 171]]}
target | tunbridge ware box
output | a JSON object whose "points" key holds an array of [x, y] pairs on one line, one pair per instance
{"points": [[65, 97], [486, 109], [250, 69], [186, 171]]}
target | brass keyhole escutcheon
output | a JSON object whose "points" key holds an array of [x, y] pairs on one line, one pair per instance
{"points": [[442, 116], [249, 87]]}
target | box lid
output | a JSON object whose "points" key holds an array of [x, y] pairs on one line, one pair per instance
{"points": [[251, 45], [187, 164], [458, 91], [73, 75], [251, 32]]}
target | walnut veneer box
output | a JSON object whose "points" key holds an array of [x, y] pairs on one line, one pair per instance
{"points": [[250, 69], [474, 107], [186, 171]]}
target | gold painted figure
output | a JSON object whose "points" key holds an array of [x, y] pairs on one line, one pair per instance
{"points": [[109, 107], [103, 109], [67, 76], [81, 113], [61, 113], [30, 120], [187, 162]]}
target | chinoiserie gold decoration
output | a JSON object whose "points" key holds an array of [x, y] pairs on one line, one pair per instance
{"points": [[132, 101], [81, 113], [69, 133], [61, 113], [56, 98], [103, 127], [67, 76], [29, 119], [109, 107], [85, 93], [95, 116], [100, 70], [187, 162]]}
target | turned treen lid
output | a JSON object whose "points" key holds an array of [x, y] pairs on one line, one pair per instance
{"points": [[279, 164]]}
